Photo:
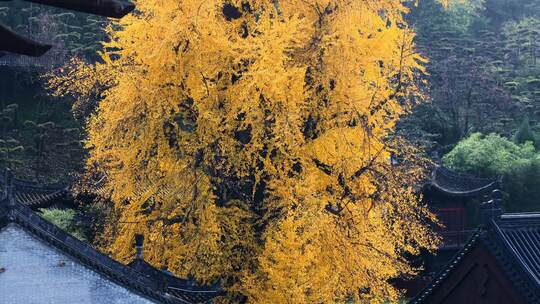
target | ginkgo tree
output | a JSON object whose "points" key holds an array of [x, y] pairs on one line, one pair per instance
{"points": [[250, 141]]}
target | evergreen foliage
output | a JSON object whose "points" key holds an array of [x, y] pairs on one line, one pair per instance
{"points": [[520, 71], [465, 95], [39, 139], [482, 72], [492, 156], [501, 11]]}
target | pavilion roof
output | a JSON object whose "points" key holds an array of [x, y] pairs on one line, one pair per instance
{"points": [[454, 184], [32, 194], [138, 277]]}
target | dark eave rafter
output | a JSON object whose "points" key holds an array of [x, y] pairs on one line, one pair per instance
{"points": [[33, 195], [454, 184], [13, 43], [105, 8]]}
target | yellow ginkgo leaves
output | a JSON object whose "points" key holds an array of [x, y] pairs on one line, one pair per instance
{"points": [[250, 141]]}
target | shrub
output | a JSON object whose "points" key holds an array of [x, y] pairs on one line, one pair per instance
{"points": [[65, 220]]}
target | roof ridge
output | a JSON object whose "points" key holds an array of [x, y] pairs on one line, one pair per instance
{"points": [[447, 270], [520, 215]]}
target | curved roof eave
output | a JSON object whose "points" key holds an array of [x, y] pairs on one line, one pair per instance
{"points": [[455, 184]]}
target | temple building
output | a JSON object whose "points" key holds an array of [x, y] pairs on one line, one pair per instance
{"points": [[455, 200], [500, 264], [40, 263]]}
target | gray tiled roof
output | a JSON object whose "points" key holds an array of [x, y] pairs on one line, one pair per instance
{"points": [[521, 236], [33, 272]]}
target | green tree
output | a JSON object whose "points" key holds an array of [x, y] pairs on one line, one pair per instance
{"points": [[501, 11], [39, 139], [519, 66], [492, 156], [466, 95]]}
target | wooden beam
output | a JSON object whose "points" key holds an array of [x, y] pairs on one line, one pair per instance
{"points": [[14, 43], [11, 42], [106, 8]]}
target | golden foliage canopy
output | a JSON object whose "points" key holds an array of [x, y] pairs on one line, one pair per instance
{"points": [[250, 141]]}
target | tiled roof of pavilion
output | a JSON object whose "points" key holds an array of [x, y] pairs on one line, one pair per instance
{"points": [[514, 240], [32, 194], [455, 184], [139, 277]]}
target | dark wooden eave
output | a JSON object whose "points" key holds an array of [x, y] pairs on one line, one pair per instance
{"points": [[12, 42], [15, 43], [34, 195], [452, 184]]}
